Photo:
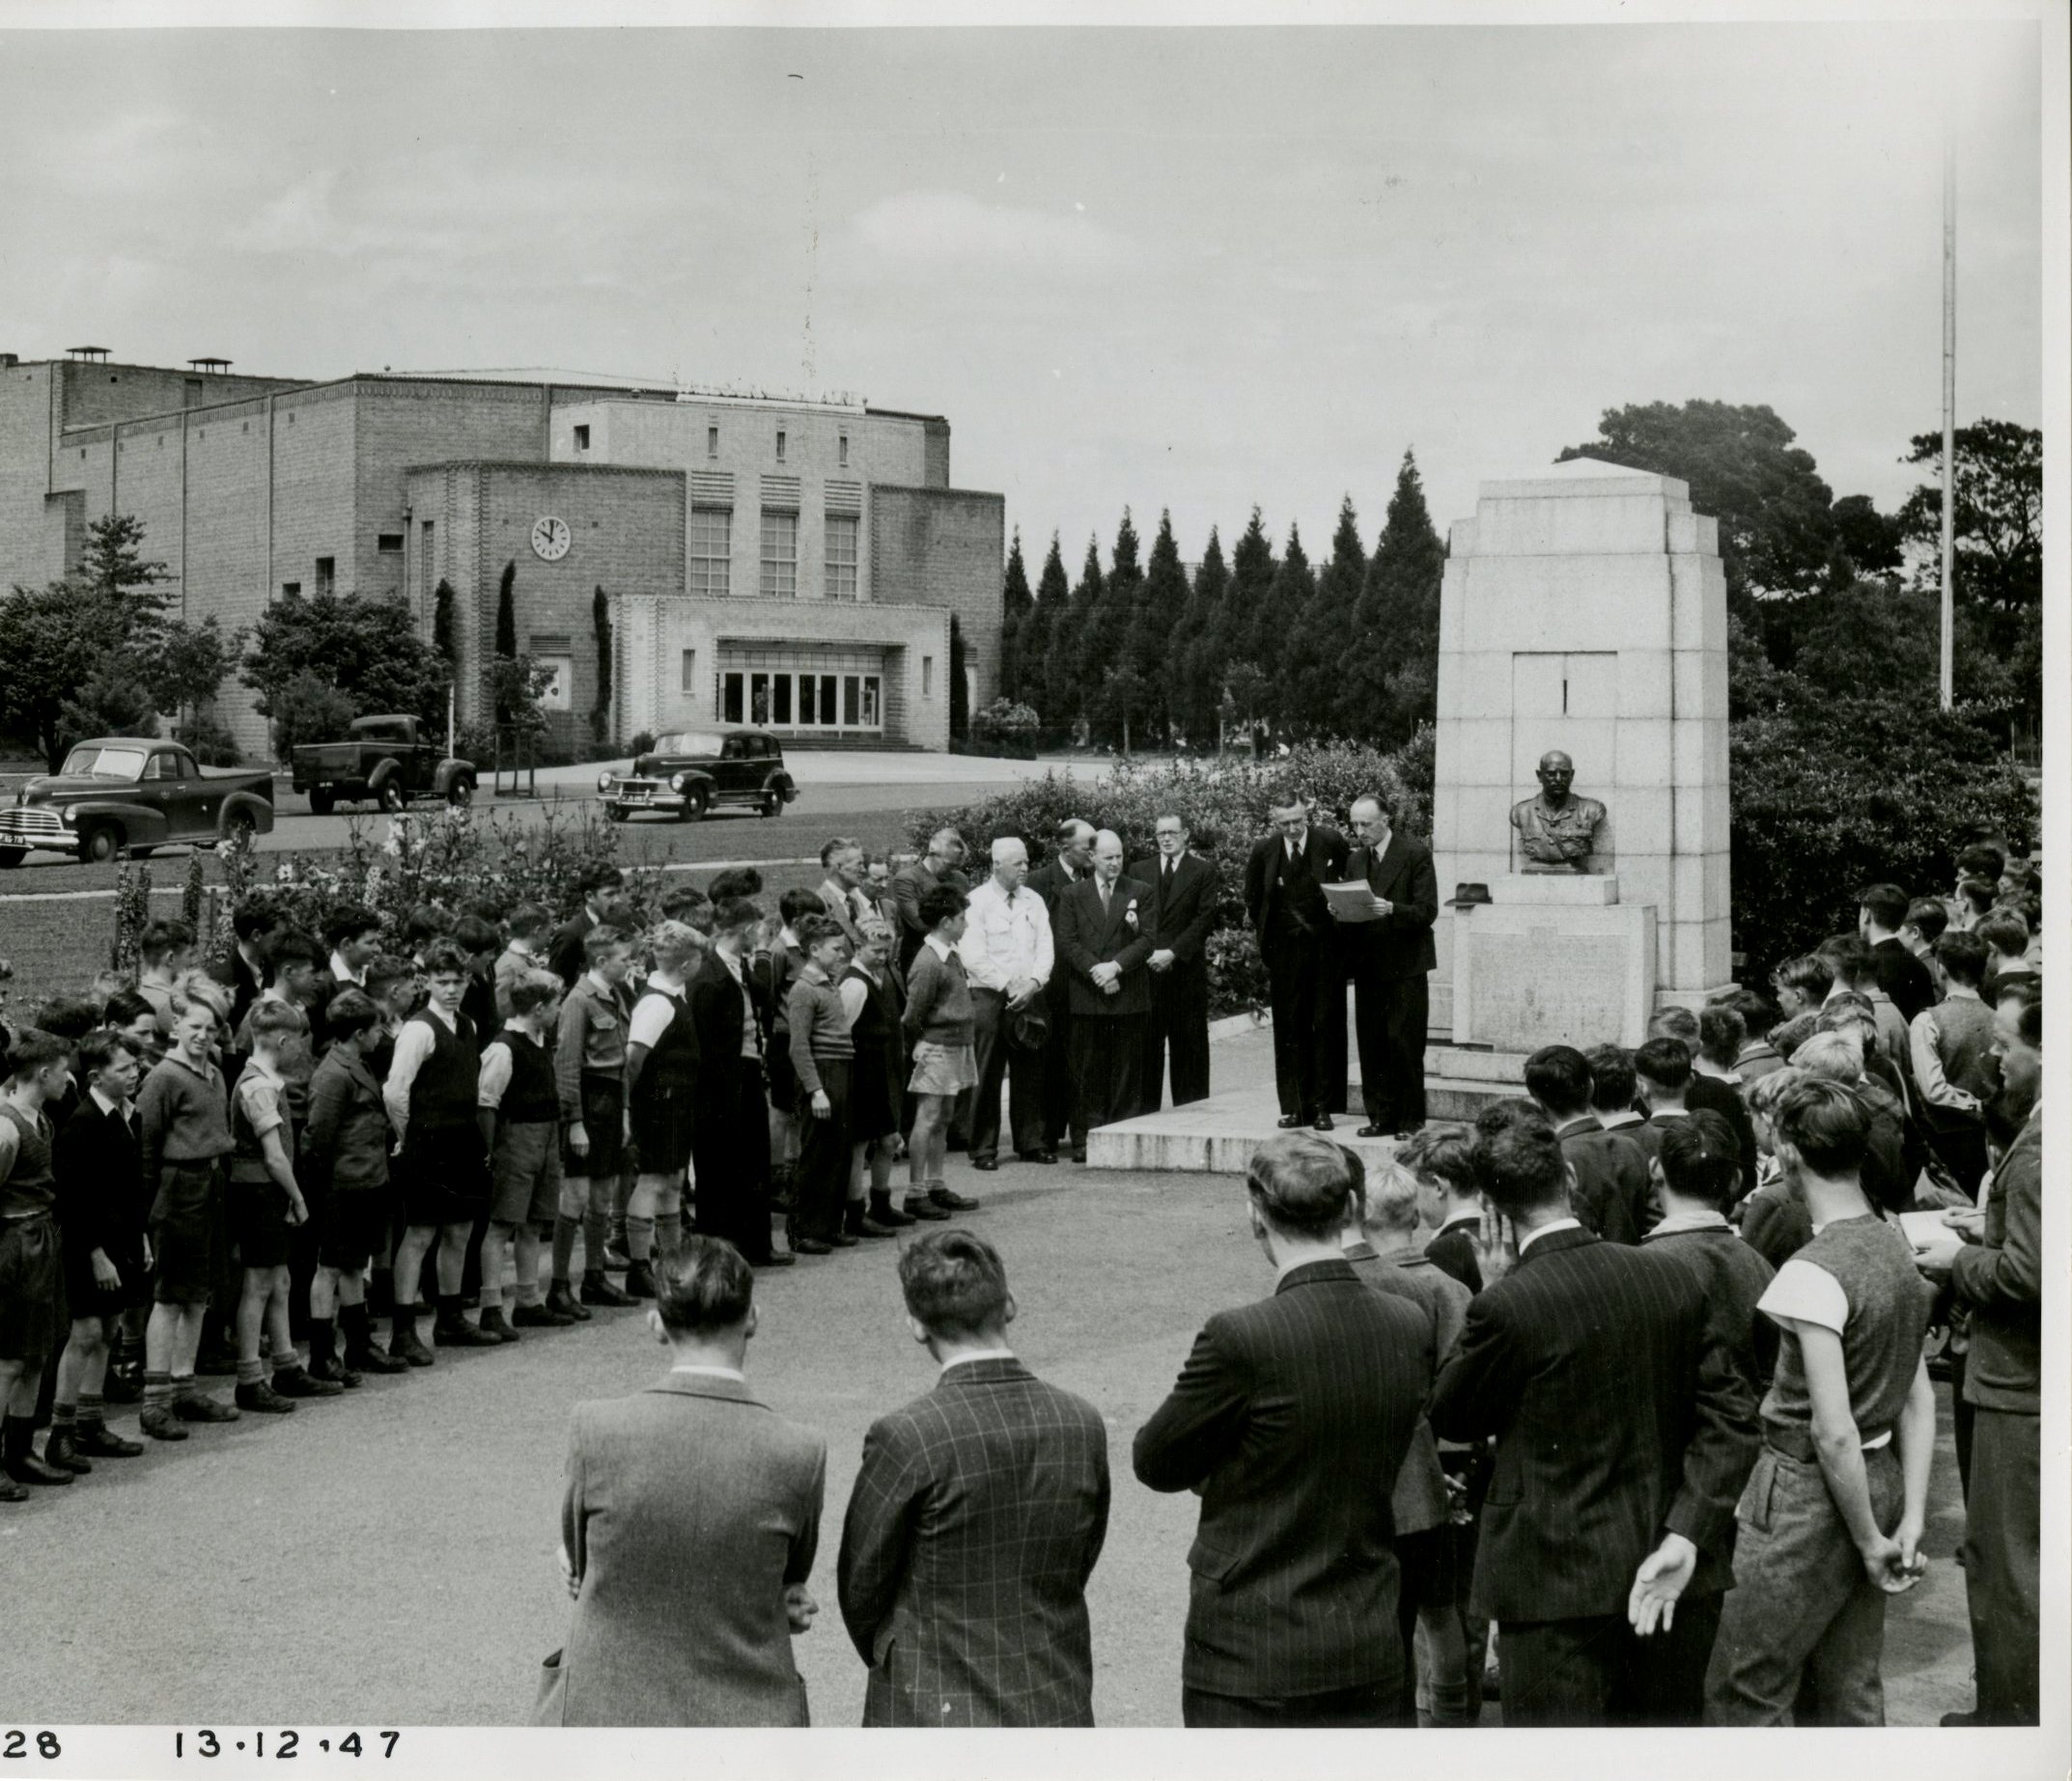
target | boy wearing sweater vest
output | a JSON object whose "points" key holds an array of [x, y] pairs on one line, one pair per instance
{"points": [[939, 1024], [822, 1055], [519, 1110]]}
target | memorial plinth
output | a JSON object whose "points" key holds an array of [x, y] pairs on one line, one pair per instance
{"points": [[1548, 973]]}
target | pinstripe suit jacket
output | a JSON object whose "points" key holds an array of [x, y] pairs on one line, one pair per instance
{"points": [[1619, 1416], [1292, 1416], [974, 1523]]}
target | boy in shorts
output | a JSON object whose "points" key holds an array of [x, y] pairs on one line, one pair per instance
{"points": [[183, 1136], [39, 1067], [430, 1098], [519, 1111], [939, 1026], [590, 1081], [345, 1165], [266, 1202]]}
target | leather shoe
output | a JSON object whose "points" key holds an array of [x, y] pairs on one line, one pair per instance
{"points": [[598, 1290], [198, 1409], [640, 1280], [1374, 1131], [372, 1359], [949, 1201], [1323, 1122], [12, 1492], [540, 1317], [406, 1346], [776, 1258], [985, 1164], [1043, 1156], [561, 1298], [460, 1333], [1288, 1122], [61, 1448], [159, 1422], [870, 1227], [103, 1443], [28, 1469], [810, 1245], [258, 1396], [921, 1207], [841, 1240], [294, 1383]]}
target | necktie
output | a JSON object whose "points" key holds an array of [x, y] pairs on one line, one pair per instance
{"points": [[1102, 887], [1166, 871]]}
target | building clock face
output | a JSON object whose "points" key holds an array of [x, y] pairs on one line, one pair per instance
{"points": [[550, 538]]}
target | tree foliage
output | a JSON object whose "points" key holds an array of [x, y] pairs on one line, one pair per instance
{"points": [[444, 638], [1017, 604], [365, 650], [601, 624], [959, 682], [1999, 512]]}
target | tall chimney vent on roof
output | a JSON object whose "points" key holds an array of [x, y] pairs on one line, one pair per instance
{"points": [[207, 366], [88, 355]]}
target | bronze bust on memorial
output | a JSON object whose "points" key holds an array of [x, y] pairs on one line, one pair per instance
{"points": [[1556, 830]]}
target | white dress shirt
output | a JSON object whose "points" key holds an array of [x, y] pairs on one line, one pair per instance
{"points": [[1006, 939], [414, 1045]]}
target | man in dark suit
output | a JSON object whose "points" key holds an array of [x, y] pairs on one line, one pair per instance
{"points": [[1072, 859], [1284, 881], [942, 863], [1392, 957], [976, 1519], [729, 1142], [1105, 932], [1881, 913], [1624, 1436], [1291, 1418], [565, 952], [1610, 1192], [689, 1527], [1186, 891]]}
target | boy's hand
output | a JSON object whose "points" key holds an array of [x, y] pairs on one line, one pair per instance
{"points": [[1885, 1563], [298, 1210], [578, 1139], [106, 1275], [822, 1108]]}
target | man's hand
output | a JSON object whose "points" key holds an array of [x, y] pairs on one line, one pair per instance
{"points": [[1383, 906], [148, 1255], [1893, 1568], [1935, 1259], [570, 1580], [799, 1607], [106, 1275], [1968, 1221], [1163, 959], [1106, 973], [1658, 1584], [822, 1108], [578, 1139], [1021, 992]]}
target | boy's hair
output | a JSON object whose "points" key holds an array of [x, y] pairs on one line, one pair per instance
{"points": [[1928, 917], [530, 920], [1963, 959], [425, 923], [387, 970], [794, 904], [2023, 990], [444, 959], [954, 1283], [534, 989], [1559, 1078], [348, 923], [2005, 931], [1979, 894], [2030, 1024], [126, 1007], [160, 937], [939, 902], [1827, 1123], [1721, 1033], [735, 883], [1762, 1095], [1445, 1151], [814, 929], [272, 1021], [69, 1017], [733, 915], [833, 850], [1666, 1063], [619, 912], [598, 879], [1981, 860], [1612, 1085], [680, 901], [707, 1288], [1808, 973], [1388, 1198], [350, 1013], [100, 1048], [603, 940], [1833, 1056], [32, 1050], [475, 935], [253, 917], [200, 991], [1886, 904], [1677, 1023], [1847, 957], [1701, 1158], [1518, 1158], [488, 910], [1845, 1005], [287, 946], [1300, 1183], [678, 940]]}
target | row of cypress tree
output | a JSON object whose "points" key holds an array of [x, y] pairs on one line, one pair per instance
{"points": [[1261, 641]]}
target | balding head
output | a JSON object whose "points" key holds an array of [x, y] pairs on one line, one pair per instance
{"points": [[1076, 842], [1010, 863], [1107, 856], [946, 846]]}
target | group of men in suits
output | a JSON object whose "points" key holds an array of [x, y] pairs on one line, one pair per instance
{"points": [[1312, 948]]}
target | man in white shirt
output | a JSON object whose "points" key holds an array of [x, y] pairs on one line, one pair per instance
{"points": [[1007, 959]]}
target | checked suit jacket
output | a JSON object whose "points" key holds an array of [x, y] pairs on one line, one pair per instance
{"points": [[1619, 1416], [1292, 1418], [976, 1519]]}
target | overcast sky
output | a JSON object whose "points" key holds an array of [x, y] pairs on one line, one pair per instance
{"points": [[1184, 269]]}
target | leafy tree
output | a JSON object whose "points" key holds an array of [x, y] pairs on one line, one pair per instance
{"points": [[368, 650], [1033, 637], [186, 664], [1317, 655], [601, 624], [507, 612], [1016, 606], [53, 641], [112, 701], [1280, 619], [115, 566], [1068, 699], [1998, 529], [1872, 542], [307, 708], [1158, 633], [960, 684], [1203, 653], [443, 636], [1107, 631], [1392, 683]]}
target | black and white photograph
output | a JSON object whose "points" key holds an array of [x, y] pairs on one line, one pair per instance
{"points": [[1125, 869]]}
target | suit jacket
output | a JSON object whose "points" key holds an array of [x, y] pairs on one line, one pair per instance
{"points": [[1613, 1186], [718, 1005], [101, 1201], [1618, 1418], [690, 1507], [565, 951], [1187, 913], [1712, 1095], [1400, 944], [1050, 882], [842, 908], [1735, 1276], [1324, 850], [1902, 977], [976, 1521], [1453, 1250], [1087, 937], [1293, 1416]]}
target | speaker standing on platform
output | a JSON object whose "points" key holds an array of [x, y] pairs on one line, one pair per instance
{"points": [[1284, 883], [1392, 957], [1184, 891]]}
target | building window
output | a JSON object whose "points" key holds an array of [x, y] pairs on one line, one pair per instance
{"points": [[841, 451], [689, 682], [326, 575], [583, 438], [928, 677], [730, 700], [388, 541], [780, 555], [712, 549], [780, 445], [787, 700], [425, 559], [711, 443], [290, 590], [842, 556]]}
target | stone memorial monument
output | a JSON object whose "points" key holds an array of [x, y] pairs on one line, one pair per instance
{"points": [[1581, 641]]}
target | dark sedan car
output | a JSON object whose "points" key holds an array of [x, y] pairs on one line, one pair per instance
{"points": [[688, 772]]}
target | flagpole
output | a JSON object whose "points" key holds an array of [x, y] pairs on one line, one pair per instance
{"points": [[1949, 406]]}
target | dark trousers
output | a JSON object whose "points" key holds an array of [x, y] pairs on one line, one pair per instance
{"points": [[1057, 1074], [1369, 1704], [1107, 1060], [1308, 1002], [1391, 1015], [2003, 1525], [1598, 1671], [821, 1185], [730, 1157], [1179, 1023], [998, 1055]]}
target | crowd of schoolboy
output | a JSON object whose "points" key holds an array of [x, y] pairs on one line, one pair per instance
{"points": [[236, 1175]]}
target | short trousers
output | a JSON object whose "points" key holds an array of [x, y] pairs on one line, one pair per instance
{"points": [[942, 1069], [445, 1176], [85, 1296], [189, 1238], [259, 1223], [29, 1269], [355, 1227], [603, 1124], [525, 1173], [661, 1133]]}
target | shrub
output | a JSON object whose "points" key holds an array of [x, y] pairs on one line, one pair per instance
{"points": [[208, 741], [307, 709], [643, 741]]}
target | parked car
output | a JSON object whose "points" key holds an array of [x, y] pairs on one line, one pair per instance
{"points": [[118, 792], [385, 761], [690, 771]]}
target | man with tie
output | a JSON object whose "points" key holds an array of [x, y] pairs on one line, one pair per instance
{"points": [[1072, 859], [1105, 934], [1392, 957], [1185, 894], [1284, 901], [1008, 954]]}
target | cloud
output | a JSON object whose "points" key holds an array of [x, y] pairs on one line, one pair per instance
{"points": [[949, 227]]}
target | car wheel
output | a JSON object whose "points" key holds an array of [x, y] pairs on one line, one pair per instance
{"points": [[391, 797], [100, 844], [240, 827], [771, 802], [618, 813], [322, 800], [10, 858], [460, 794], [696, 801]]}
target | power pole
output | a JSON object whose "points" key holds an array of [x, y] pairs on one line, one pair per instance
{"points": [[1949, 409]]}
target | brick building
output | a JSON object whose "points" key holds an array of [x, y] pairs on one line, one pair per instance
{"points": [[793, 564]]}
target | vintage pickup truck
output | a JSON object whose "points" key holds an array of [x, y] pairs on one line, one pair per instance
{"points": [[384, 761], [116, 792]]}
